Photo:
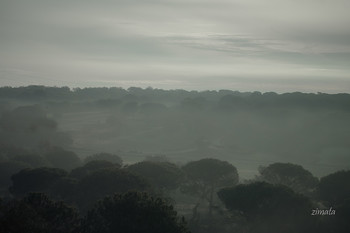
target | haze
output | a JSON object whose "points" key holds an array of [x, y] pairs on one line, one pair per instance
{"points": [[175, 116], [280, 46]]}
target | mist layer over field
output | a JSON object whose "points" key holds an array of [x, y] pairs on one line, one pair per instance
{"points": [[249, 129]]}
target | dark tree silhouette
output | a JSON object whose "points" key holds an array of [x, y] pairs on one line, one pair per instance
{"points": [[60, 158], [204, 178], [270, 208], [162, 175], [106, 182], [7, 169], [65, 189], [133, 212], [37, 213], [35, 180], [335, 188], [90, 167], [339, 222], [291, 175]]}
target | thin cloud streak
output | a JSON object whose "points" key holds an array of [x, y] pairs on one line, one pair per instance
{"points": [[191, 43]]}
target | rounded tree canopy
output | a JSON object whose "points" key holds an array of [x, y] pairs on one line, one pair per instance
{"points": [[133, 212], [160, 174], [7, 169], [60, 158], [335, 188], [262, 198], [212, 171], [105, 182], [291, 175], [35, 180], [90, 167]]}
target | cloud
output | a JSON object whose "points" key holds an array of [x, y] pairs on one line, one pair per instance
{"points": [[191, 43]]}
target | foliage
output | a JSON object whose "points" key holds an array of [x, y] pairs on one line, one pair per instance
{"points": [[259, 198], [208, 173], [90, 167], [204, 177], [181, 122], [292, 175], [162, 175], [104, 182], [37, 213], [35, 180], [65, 189], [335, 188], [7, 169], [211, 171], [340, 221], [269, 208], [133, 212], [60, 158]]}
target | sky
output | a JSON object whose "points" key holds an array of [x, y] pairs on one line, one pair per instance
{"points": [[244, 45]]}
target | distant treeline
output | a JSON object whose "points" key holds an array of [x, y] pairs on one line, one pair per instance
{"points": [[115, 95], [197, 148]]}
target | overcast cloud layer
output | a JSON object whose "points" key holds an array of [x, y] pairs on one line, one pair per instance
{"points": [[246, 45]]}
